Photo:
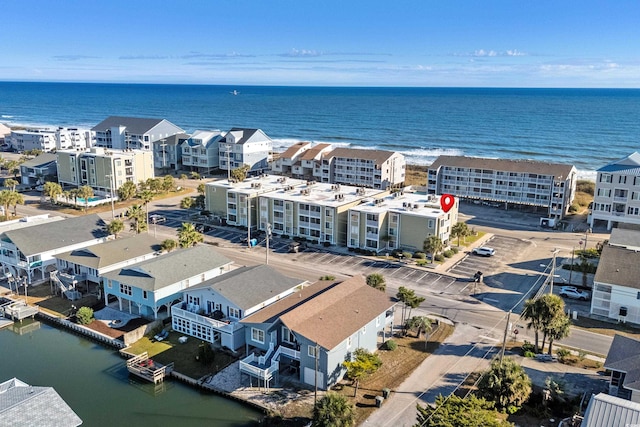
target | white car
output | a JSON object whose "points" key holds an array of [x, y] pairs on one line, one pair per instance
{"points": [[484, 251], [157, 219], [571, 292]]}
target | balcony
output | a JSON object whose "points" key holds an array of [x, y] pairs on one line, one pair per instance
{"points": [[224, 325], [265, 366]]}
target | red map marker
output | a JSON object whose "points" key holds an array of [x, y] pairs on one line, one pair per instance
{"points": [[446, 202]]}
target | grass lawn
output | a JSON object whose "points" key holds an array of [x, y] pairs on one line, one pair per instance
{"points": [[606, 328]]}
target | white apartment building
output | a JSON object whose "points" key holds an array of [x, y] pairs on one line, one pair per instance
{"points": [[548, 186], [104, 170], [400, 220], [201, 152], [368, 168], [617, 194], [49, 139], [123, 133], [241, 146]]}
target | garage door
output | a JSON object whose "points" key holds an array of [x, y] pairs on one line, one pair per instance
{"points": [[308, 378]]}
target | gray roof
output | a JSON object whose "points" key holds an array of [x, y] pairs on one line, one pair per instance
{"points": [[58, 234], [624, 356], [249, 286], [619, 266], [24, 405], [379, 156], [610, 411], [507, 165], [629, 164], [113, 251], [157, 273], [247, 133], [625, 237], [134, 125], [40, 161]]}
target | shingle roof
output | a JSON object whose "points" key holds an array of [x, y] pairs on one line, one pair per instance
{"points": [[293, 150], [624, 237], [40, 160], [134, 125], [249, 286], [312, 152], [630, 164], [619, 266], [113, 251], [379, 156], [610, 411], [328, 312], [166, 270], [624, 356], [247, 133], [59, 234], [24, 405], [507, 165]]}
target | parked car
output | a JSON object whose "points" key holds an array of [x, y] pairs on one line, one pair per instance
{"points": [[157, 219], [484, 251], [568, 292]]}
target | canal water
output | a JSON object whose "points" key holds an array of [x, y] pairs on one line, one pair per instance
{"points": [[95, 383]]}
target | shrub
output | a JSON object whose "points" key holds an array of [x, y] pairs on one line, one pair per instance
{"points": [[326, 244], [527, 346], [448, 253], [439, 258], [455, 250], [328, 277], [84, 315], [422, 262], [529, 354], [206, 354], [407, 255], [391, 345], [420, 255], [563, 354], [574, 208]]}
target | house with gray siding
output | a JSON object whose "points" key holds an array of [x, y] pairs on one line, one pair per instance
{"points": [[243, 146], [124, 133], [314, 330]]}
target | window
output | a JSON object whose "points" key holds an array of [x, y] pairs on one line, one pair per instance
{"points": [[144, 294], [234, 312], [349, 342], [257, 335], [125, 289], [287, 335], [311, 351], [364, 329]]}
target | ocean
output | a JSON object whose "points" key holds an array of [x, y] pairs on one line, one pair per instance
{"points": [[587, 128]]}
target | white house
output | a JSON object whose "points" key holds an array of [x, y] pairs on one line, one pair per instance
{"points": [[201, 152], [242, 146], [125, 133]]}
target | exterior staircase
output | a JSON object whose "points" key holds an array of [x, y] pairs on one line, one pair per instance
{"points": [[66, 283]]}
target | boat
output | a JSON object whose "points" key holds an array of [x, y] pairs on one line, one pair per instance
{"points": [[234, 92]]}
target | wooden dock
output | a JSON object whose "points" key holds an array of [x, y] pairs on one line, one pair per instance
{"points": [[145, 368]]}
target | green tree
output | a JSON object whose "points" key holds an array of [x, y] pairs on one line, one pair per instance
{"points": [[377, 281], [188, 236], [127, 190], [558, 328], [13, 167], [10, 182], [533, 315], [146, 197], [454, 411], [115, 227], [186, 203], [201, 188], [410, 301], [16, 199], [506, 384], [52, 190], [364, 363], [195, 175], [154, 184], [183, 176], [84, 315], [333, 410], [199, 202], [240, 174], [85, 192], [137, 215], [168, 245], [167, 183], [460, 229], [419, 324], [433, 245]]}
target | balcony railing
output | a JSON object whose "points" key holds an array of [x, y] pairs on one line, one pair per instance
{"points": [[220, 325]]}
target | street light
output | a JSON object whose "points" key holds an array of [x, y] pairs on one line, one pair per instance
{"points": [[268, 236], [113, 209]]}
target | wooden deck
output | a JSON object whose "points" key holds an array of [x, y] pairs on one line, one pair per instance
{"points": [[145, 368]]}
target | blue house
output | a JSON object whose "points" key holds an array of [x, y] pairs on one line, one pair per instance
{"points": [[146, 287], [311, 332]]}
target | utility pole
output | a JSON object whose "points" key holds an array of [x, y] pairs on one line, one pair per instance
{"points": [[504, 339], [228, 162], [315, 378], [553, 270], [268, 236], [573, 249], [249, 221], [113, 209]]}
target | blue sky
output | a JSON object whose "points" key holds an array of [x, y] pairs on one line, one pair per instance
{"points": [[480, 43]]}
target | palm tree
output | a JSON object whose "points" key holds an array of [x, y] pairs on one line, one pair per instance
{"points": [[333, 410], [533, 314], [188, 236], [433, 245], [17, 199], [52, 190], [559, 329], [12, 166], [74, 194], [10, 182], [460, 229], [167, 183], [240, 174], [505, 383], [115, 227], [67, 195], [127, 191], [5, 200], [146, 196], [186, 203], [85, 192], [169, 245], [137, 215], [201, 188], [377, 281]]}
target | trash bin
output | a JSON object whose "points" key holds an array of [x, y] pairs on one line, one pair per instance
{"points": [[386, 393], [379, 400]]}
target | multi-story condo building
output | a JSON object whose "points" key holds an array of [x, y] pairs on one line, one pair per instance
{"points": [[201, 152], [104, 170], [50, 139], [241, 146], [400, 220], [285, 161], [308, 164], [548, 186], [369, 168], [617, 193], [5, 133], [132, 132], [167, 152]]}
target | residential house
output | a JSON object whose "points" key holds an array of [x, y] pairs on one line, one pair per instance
{"points": [[359, 167], [616, 289], [623, 360], [35, 171], [200, 152], [28, 248], [148, 286], [314, 330], [550, 187], [167, 152], [401, 220], [124, 133], [104, 170], [284, 162], [308, 164], [242, 146], [90, 263], [617, 193], [211, 310], [22, 404], [610, 411]]}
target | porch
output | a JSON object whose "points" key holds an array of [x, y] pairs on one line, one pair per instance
{"points": [[212, 328], [265, 367]]}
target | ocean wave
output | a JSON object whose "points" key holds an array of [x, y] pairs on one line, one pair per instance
{"points": [[7, 116], [281, 144], [587, 174]]}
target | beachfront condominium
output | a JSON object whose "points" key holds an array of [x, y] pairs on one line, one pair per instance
{"points": [[245, 147], [547, 187], [200, 152], [49, 139], [104, 170], [123, 133], [401, 220], [167, 152], [617, 194]]}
